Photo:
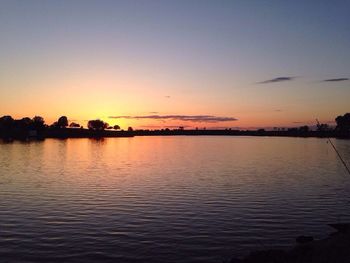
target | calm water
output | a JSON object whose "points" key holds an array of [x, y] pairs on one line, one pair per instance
{"points": [[166, 199]]}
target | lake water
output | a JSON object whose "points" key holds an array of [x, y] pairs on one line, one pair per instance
{"points": [[166, 199]]}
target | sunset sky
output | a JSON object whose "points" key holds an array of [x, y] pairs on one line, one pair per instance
{"points": [[157, 64]]}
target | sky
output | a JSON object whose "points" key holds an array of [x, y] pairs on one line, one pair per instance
{"points": [[158, 64]]}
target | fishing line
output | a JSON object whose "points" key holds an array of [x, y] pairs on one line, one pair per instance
{"points": [[338, 153]]}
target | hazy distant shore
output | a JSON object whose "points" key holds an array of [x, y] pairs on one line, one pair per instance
{"points": [[261, 132]]}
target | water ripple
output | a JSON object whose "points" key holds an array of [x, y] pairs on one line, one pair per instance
{"points": [[166, 199]]}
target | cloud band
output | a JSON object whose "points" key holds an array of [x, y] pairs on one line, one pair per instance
{"points": [[279, 79], [191, 118]]}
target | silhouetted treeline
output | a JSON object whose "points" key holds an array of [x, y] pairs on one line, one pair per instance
{"points": [[22, 128], [35, 128], [343, 125], [292, 132], [27, 128], [342, 130]]}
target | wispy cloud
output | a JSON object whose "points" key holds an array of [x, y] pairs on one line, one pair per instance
{"points": [[192, 118], [159, 127], [335, 80], [278, 79], [301, 122], [175, 127]]}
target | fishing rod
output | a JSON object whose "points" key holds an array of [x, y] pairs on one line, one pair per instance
{"points": [[335, 149]]}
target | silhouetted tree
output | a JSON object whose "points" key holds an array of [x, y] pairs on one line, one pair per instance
{"points": [[261, 131], [23, 125], [6, 122], [304, 129], [322, 127], [38, 120], [343, 123], [97, 125], [38, 123], [6, 126], [130, 129], [74, 125], [116, 127], [26, 122], [62, 122]]}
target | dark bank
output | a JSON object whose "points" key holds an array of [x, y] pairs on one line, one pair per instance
{"points": [[35, 128]]}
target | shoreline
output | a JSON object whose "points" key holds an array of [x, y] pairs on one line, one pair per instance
{"points": [[64, 133], [332, 249]]}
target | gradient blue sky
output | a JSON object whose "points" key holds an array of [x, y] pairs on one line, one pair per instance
{"points": [[95, 59]]}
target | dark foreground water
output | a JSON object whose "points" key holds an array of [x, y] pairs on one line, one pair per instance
{"points": [[166, 199]]}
